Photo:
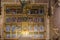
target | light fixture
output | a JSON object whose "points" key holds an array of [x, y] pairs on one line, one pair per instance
{"points": [[25, 33], [24, 3], [24, 0]]}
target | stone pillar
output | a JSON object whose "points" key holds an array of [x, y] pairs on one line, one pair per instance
{"points": [[56, 20]]}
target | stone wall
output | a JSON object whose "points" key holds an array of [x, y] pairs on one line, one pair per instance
{"points": [[57, 17]]}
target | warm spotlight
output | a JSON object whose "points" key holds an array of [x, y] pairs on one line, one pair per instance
{"points": [[25, 33]]}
